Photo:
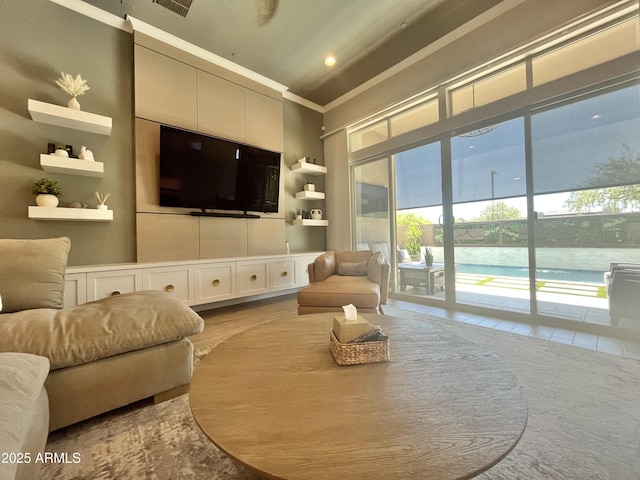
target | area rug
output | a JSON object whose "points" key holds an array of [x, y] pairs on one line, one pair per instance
{"points": [[584, 422]]}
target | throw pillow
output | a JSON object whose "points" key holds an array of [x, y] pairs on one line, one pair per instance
{"points": [[353, 269], [374, 268], [33, 273]]}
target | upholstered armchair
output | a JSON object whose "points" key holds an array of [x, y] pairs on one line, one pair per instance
{"points": [[340, 278]]}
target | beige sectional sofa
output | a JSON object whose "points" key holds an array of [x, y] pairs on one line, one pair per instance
{"points": [[103, 354]]}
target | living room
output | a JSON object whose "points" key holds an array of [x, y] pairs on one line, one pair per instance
{"points": [[46, 38]]}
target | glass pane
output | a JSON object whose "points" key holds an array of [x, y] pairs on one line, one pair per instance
{"points": [[588, 52], [368, 136], [488, 163], [591, 143], [418, 177], [425, 114], [371, 191]]}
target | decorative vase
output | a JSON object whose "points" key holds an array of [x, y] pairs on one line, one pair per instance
{"points": [[316, 214], [46, 200], [102, 206], [74, 104], [428, 260]]}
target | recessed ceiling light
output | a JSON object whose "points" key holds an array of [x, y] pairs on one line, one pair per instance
{"points": [[330, 61]]}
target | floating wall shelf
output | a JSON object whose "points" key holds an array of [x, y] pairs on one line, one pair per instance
{"points": [[306, 195], [308, 168], [311, 223], [66, 117], [72, 166], [70, 214]]}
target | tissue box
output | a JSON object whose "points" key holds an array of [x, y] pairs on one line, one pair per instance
{"points": [[347, 330]]}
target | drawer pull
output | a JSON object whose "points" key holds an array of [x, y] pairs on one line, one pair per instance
{"points": [[169, 288], [285, 273], [115, 292], [254, 278], [215, 283]]}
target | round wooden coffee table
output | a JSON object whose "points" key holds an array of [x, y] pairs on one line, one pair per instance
{"points": [[273, 398]]}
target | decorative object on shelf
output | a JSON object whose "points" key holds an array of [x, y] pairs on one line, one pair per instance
{"points": [[78, 205], [47, 192], [316, 214], [299, 215], [74, 87], [86, 154], [61, 152], [309, 187], [287, 248], [303, 159], [102, 198]]}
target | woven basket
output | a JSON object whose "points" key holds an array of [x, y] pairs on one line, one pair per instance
{"points": [[358, 353]]}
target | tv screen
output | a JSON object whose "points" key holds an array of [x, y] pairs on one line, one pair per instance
{"points": [[209, 173]]}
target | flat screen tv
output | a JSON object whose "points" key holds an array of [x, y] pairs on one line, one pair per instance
{"points": [[209, 174]]}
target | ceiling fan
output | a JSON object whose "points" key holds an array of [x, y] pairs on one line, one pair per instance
{"points": [[265, 9]]}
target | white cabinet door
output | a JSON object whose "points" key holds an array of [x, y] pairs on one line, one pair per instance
{"points": [[215, 282], [112, 282], [75, 289], [283, 274], [176, 281], [252, 277]]}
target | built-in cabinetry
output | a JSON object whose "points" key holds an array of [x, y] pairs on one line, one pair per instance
{"points": [[77, 120], [302, 167], [196, 283]]}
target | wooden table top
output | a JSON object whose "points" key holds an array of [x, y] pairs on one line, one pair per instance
{"points": [[273, 398]]}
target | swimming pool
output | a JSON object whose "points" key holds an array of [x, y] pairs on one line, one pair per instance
{"points": [[549, 274]]}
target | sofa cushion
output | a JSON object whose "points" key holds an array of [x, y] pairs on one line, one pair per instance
{"points": [[352, 268], [100, 329], [338, 290], [33, 273], [22, 377]]}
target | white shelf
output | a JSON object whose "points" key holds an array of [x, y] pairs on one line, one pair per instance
{"points": [[66, 117], [73, 166], [308, 168], [306, 195], [71, 214], [311, 223]]}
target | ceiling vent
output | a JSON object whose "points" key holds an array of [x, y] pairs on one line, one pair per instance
{"points": [[181, 7]]}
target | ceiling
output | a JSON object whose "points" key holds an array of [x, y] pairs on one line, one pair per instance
{"points": [[365, 36]]}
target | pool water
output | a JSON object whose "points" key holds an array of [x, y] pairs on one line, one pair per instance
{"points": [[549, 274]]}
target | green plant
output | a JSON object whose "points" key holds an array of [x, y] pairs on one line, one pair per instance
{"points": [[413, 239], [46, 186]]}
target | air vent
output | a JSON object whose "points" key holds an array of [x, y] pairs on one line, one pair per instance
{"points": [[181, 7]]}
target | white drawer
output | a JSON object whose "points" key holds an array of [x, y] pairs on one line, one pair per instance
{"points": [[215, 282], [252, 277], [302, 269], [283, 274], [176, 281], [115, 282]]}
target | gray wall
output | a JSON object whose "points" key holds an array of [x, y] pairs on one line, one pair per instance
{"points": [[38, 40]]}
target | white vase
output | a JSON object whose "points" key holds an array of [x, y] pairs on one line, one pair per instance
{"points": [[46, 200], [74, 104]]}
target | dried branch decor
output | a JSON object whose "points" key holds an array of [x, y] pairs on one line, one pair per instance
{"points": [[102, 197], [73, 86]]}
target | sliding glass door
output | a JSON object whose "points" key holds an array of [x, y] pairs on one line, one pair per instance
{"points": [[586, 166], [490, 210]]}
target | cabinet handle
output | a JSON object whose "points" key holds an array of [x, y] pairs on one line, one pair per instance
{"points": [[285, 273], [215, 283], [254, 278], [115, 292], [169, 288]]}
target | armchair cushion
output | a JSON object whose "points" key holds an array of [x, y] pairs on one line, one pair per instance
{"points": [[33, 273], [324, 266], [353, 269]]}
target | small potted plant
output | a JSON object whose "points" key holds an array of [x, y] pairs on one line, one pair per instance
{"points": [[428, 256], [47, 192]]}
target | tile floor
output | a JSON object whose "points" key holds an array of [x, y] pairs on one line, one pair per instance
{"points": [[600, 343]]}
